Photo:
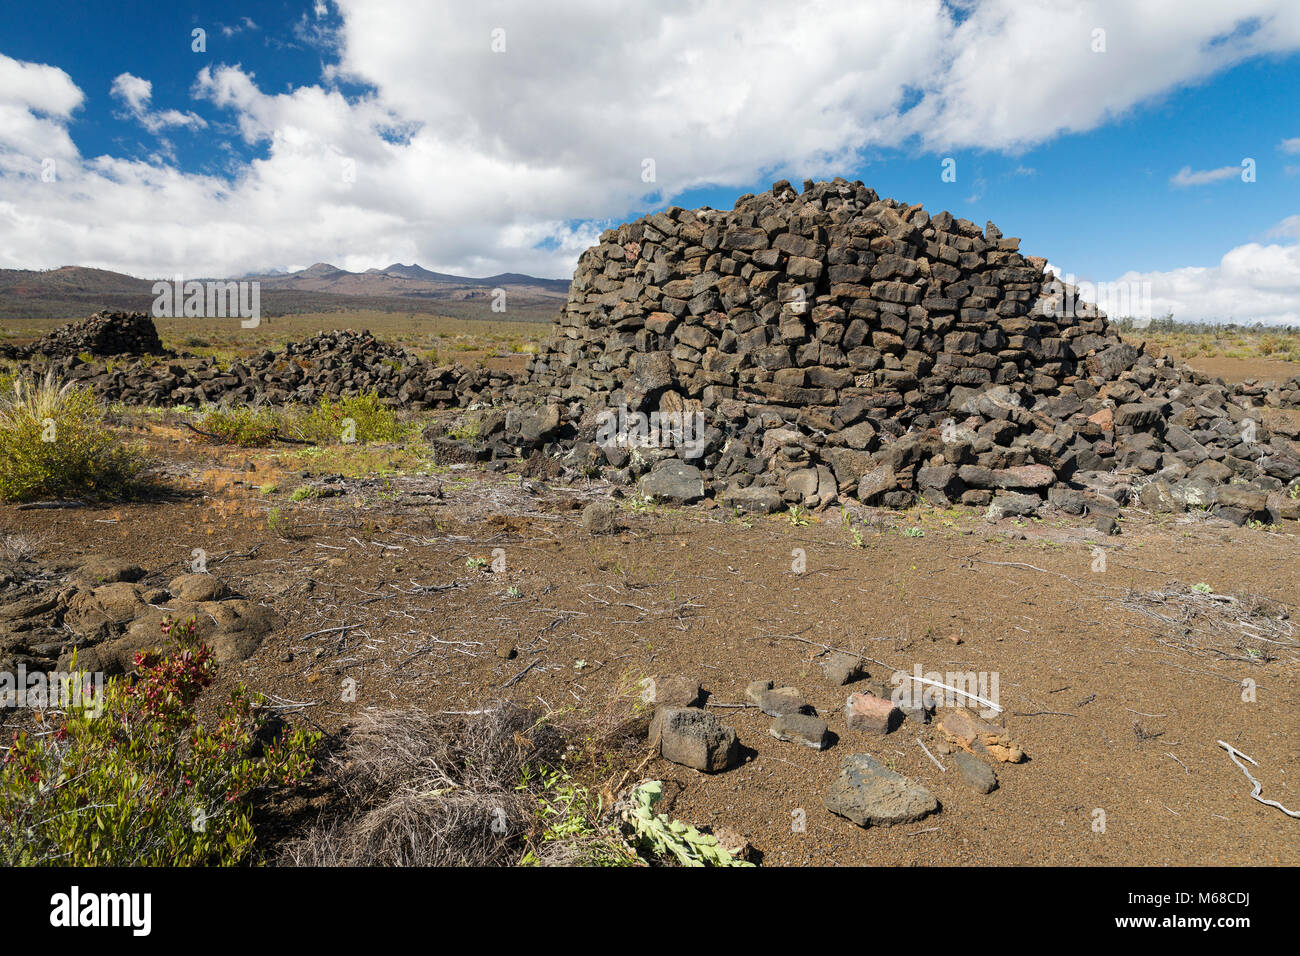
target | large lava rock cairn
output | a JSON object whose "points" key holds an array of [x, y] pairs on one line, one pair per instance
{"points": [[103, 334], [842, 344]]}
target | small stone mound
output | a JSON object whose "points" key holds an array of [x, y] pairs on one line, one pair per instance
{"points": [[103, 334]]}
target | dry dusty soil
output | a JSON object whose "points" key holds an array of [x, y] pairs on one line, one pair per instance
{"points": [[1117, 703]]}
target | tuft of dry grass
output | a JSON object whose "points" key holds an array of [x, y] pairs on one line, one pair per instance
{"points": [[423, 789], [1244, 627], [18, 547]]}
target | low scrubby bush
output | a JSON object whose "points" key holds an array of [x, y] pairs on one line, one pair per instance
{"points": [[360, 418], [243, 426], [419, 789], [55, 443], [136, 779]]}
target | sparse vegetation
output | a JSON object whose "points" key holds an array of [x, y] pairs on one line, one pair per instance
{"points": [[464, 430], [666, 837], [1191, 340], [496, 787], [17, 547], [571, 832], [278, 523], [419, 789]]}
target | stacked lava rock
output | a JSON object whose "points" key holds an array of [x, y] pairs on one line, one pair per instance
{"points": [[104, 333], [329, 364], [838, 343]]}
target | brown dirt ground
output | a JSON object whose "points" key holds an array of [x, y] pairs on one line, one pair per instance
{"points": [[1239, 369], [699, 592]]}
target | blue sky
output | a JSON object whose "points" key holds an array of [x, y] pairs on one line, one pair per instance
{"points": [[364, 133]]}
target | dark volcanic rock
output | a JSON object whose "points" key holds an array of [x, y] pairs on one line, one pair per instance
{"points": [[870, 794], [104, 333]]}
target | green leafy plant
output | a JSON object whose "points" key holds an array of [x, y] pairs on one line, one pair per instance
{"points": [[55, 442], [1202, 589], [278, 523], [139, 779], [569, 814], [464, 431], [797, 515], [659, 835], [913, 532], [641, 504]]}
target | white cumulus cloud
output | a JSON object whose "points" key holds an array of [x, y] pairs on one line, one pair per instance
{"points": [[1254, 282], [135, 93]]}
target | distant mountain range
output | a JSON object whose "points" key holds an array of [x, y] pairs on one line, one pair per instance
{"points": [[412, 280], [74, 291]]}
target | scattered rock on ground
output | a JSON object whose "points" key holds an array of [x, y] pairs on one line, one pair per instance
{"points": [[975, 773], [600, 517], [841, 668], [973, 733], [99, 569], [674, 482], [802, 729], [198, 587], [675, 691], [782, 700], [870, 794], [694, 738], [871, 714]]}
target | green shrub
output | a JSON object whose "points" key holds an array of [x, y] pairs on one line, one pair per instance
{"points": [[135, 779], [372, 421], [569, 818], [303, 492], [243, 426], [465, 430], [55, 442], [278, 523]]}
